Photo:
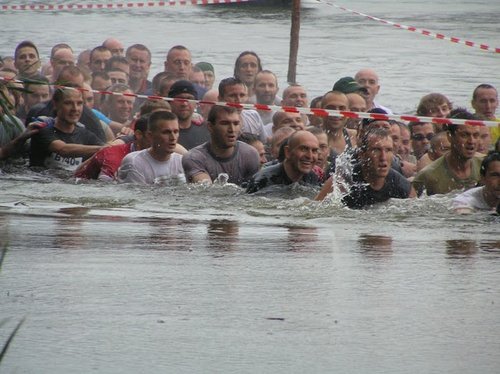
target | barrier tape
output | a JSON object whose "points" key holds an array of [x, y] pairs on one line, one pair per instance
{"points": [[87, 6], [288, 109], [452, 39]]}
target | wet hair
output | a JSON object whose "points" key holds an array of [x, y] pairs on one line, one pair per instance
{"points": [[459, 113], [228, 82], [248, 138], [24, 44], [237, 64], [430, 101], [266, 72], [139, 47], [161, 115], [59, 93], [412, 125], [216, 109], [150, 106], [482, 86], [115, 60], [376, 132], [142, 123], [487, 160]]}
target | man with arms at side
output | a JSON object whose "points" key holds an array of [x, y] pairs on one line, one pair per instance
{"points": [[458, 168], [373, 179], [486, 197], [158, 162], [223, 153], [65, 143], [301, 155]]}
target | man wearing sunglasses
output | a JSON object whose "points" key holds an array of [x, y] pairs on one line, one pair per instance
{"points": [[421, 135]]}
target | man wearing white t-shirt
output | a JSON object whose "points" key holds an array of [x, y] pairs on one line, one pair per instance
{"points": [[486, 197], [159, 162]]}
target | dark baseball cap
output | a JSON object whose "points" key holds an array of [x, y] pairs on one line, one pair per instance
{"points": [[182, 86], [348, 85]]}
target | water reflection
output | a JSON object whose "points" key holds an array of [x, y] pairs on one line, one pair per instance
{"points": [[170, 234], [459, 248], [490, 247], [302, 238], [375, 245], [222, 235], [68, 233]]}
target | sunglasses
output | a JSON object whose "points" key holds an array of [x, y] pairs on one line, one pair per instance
{"points": [[421, 137]]}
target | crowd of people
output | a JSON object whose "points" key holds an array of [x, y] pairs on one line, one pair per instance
{"points": [[52, 116]]}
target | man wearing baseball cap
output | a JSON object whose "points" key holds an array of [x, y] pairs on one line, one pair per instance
{"points": [[191, 133]]}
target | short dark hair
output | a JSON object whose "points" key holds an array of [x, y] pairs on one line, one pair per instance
{"points": [[36, 81], [59, 93], [228, 82], [459, 113], [99, 48], [158, 116], [59, 46], [249, 138], [142, 123], [216, 109], [487, 160], [68, 70], [149, 106], [373, 131], [139, 47], [481, 86], [115, 60], [24, 44]]}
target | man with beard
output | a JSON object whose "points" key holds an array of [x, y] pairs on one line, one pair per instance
{"points": [[223, 153], [266, 89], [458, 168], [301, 155], [373, 179]]}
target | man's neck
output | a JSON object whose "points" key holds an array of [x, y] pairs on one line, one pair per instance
{"points": [[64, 126], [221, 152], [185, 123], [136, 84], [293, 174], [491, 198], [459, 165], [159, 155]]}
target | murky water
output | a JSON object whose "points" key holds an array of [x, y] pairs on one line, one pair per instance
{"points": [[126, 279]]}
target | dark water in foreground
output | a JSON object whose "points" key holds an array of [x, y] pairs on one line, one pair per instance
{"points": [[113, 279]]}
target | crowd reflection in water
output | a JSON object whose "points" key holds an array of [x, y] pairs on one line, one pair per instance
{"points": [[375, 245], [222, 235]]}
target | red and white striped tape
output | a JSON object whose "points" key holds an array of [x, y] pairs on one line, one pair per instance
{"points": [[148, 4], [314, 111], [452, 39]]}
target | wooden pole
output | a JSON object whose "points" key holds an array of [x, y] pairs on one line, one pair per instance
{"points": [[294, 42]]}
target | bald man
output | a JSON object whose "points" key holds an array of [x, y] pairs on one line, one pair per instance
{"points": [[368, 78]]}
